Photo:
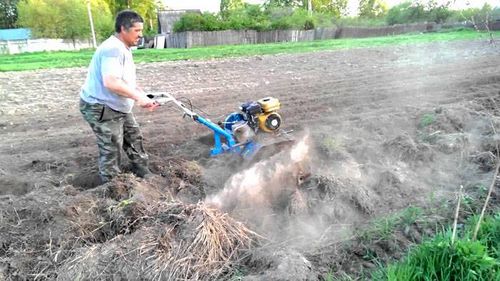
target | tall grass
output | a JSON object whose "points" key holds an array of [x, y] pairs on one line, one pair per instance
{"points": [[440, 259], [489, 234]]}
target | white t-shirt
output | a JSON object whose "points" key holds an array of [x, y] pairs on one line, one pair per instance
{"points": [[114, 58]]}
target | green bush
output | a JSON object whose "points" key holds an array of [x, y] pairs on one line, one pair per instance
{"points": [[199, 22], [299, 19], [252, 17], [405, 13]]}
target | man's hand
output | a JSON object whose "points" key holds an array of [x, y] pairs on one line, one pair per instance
{"points": [[118, 86], [145, 102]]}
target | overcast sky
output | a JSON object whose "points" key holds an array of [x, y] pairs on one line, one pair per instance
{"points": [[213, 5]]}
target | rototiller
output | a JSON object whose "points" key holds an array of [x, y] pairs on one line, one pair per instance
{"points": [[238, 132]]}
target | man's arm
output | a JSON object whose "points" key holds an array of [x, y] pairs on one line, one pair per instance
{"points": [[118, 86]]}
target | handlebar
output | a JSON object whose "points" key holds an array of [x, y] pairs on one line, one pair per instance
{"points": [[163, 98]]}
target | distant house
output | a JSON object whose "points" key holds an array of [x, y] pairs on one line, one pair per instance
{"points": [[15, 34], [167, 19]]}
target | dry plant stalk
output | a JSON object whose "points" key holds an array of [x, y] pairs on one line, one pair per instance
{"points": [[487, 200], [456, 215], [83, 216], [215, 245], [492, 185]]}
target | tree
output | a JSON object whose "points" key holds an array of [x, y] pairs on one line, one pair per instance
{"points": [[285, 4], [419, 11], [406, 12], [438, 13], [8, 13], [228, 5], [66, 19], [333, 7], [372, 8], [148, 9], [103, 19]]}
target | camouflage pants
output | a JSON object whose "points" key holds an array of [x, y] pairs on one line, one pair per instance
{"points": [[114, 131]]}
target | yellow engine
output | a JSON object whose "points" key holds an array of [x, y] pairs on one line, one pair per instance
{"points": [[269, 119], [261, 114]]}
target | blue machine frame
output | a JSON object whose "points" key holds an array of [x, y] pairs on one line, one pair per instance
{"points": [[246, 150]]}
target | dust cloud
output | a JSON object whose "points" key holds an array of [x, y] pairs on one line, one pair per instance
{"points": [[265, 180]]}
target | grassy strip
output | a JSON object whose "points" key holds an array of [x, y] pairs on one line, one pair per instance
{"points": [[46, 60], [439, 259]]}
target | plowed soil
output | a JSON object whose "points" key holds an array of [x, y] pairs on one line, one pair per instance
{"points": [[387, 128]]}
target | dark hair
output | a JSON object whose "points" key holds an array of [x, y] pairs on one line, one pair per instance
{"points": [[127, 19]]}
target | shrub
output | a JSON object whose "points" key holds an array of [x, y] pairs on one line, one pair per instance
{"points": [[405, 13], [299, 19], [200, 22], [409, 13], [252, 17], [249, 17]]}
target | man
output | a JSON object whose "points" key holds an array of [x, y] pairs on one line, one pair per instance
{"points": [[108, 95]]}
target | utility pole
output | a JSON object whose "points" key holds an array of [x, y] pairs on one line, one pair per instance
{"points": [[309, 7], [94, 43]]}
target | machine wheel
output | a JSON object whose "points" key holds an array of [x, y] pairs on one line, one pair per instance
{"points": [[232, 119]]}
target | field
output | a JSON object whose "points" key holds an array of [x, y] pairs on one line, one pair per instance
{"points": [[42, 60], [378, 130]]}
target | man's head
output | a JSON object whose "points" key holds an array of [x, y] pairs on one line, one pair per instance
{"points": [[128, 26]]}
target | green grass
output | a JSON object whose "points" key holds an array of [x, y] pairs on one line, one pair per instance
{"points": [[427, 120], [382, 229], [489, 233], [45, 60], [439, 259]]}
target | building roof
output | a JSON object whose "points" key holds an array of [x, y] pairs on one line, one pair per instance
{"points": [[15, 34]]}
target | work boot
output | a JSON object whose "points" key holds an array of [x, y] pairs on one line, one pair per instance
{"points": [[142, 171]]}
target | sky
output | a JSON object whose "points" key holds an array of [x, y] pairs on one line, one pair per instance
{"points": [[213, 5]]}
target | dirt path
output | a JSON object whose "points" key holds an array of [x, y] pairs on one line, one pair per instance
{"points": [[363, 108]]}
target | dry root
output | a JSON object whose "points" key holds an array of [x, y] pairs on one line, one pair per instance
{"points": [[181, 242], [216, 242]]}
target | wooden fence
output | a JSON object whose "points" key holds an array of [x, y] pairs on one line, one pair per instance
{"points": [[191, 39]]}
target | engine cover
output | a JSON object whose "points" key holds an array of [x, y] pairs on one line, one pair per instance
{"points": [[269, 122], [269, 104]]}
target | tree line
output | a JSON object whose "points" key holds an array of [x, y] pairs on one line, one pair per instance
{"points": [[69, 19], [310, 14]]}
